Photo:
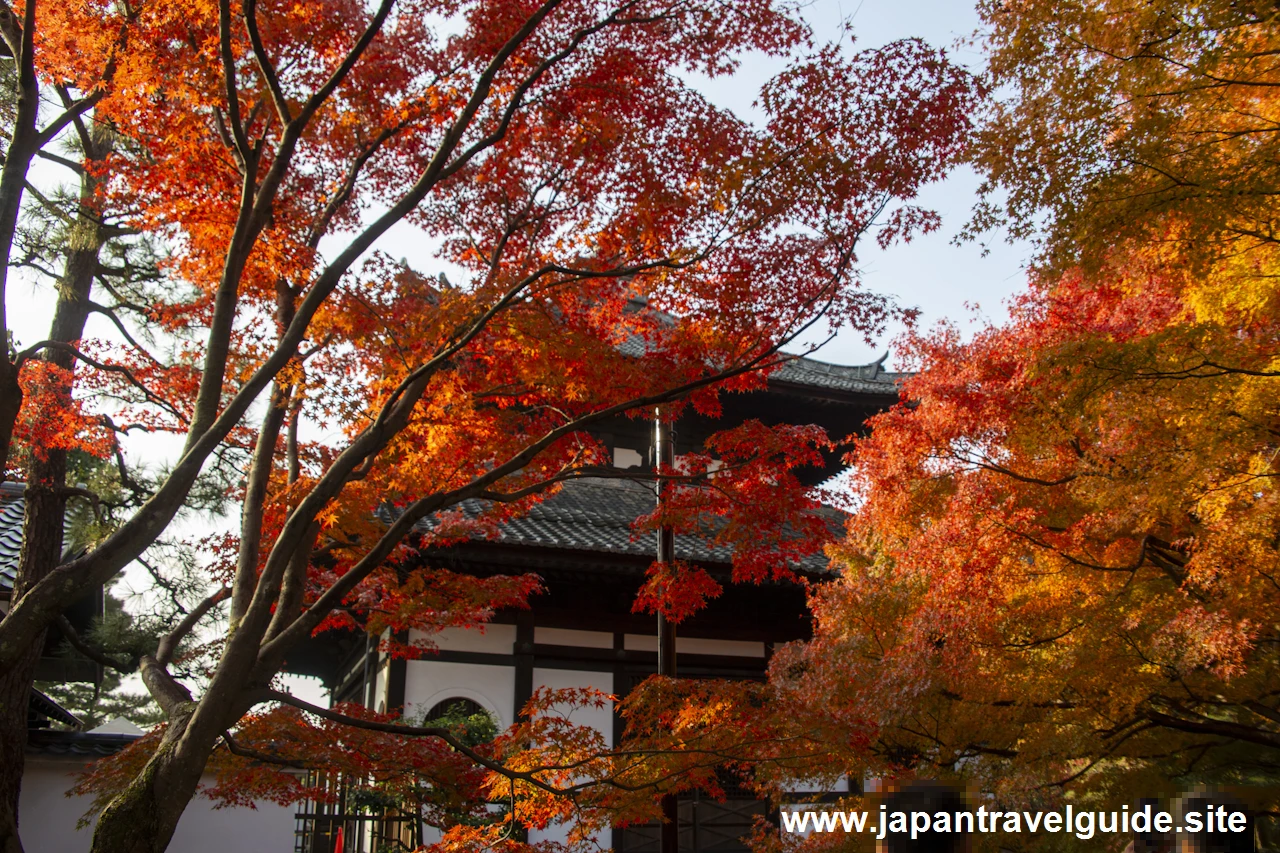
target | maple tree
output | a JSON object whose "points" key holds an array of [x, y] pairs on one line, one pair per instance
{"points": [[1154, 124], [1061, 582], [623, 244], [1063, 574]]}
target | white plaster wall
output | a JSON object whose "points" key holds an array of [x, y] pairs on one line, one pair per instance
{"points": [[430, 681], [573, 637], [47, 818], [625, 457], [697, 646], [495, 639], [380, 683], [601, 719]]}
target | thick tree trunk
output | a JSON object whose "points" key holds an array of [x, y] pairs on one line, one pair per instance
{"points": [[143, 817], [45, 514], [15, 687], [41, 548]]}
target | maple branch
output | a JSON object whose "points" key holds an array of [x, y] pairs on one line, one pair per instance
{"points": [[443, 734], [517, 96], [111, 315], [228, 141], [349, 461], [70, 114], [436, 169], [418, 510], [1026, 478], [31, 351], [86, 138], [1144, 546], [229, 84], [126, 542], [174, 699], [294, 585], [1205, 725], [264, 62], [169, 643], [248, 752], [202, 438], [347, 187], [1197, 372], [247, 583], [257, 209], [1138, 727], [712, 757], [340, 73], [1263, 711], [370, 441]]}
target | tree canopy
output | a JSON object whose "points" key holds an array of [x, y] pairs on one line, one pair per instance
{"points": [[1062, 579]]}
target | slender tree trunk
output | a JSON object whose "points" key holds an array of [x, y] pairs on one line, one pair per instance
{"points": [[23, 140], [10, 405], [45, 513]]}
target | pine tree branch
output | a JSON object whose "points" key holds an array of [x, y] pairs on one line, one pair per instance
{"points": [[169, 644], [92, 652]]}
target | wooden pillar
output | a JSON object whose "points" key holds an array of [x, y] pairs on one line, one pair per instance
{"points": [[664, 457], [524, 661]]}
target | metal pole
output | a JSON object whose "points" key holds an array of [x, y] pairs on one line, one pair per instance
{"points": [[664, 457]]}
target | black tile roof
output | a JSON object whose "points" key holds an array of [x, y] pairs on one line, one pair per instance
{"points": [[800, 370], [12, 505], [62, 744], [807, 372], [43, 706], [597, 514], [857, 378]]}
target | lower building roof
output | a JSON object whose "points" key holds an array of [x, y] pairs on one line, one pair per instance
{"points": [[596, 514]]}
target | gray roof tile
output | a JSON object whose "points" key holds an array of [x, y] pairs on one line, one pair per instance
{"points": [[12, 506], [76, 744], [46, 707], [858, 378], [597, 514]]}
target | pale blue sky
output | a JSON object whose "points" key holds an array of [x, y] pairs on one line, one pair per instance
{"points": [[929, 273]]}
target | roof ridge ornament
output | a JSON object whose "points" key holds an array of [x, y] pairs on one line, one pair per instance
{"points": [[878, 365]]}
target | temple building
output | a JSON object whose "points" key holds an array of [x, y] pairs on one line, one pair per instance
{"points": [[580, 631]]}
